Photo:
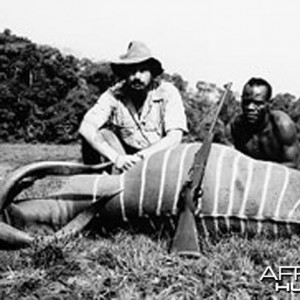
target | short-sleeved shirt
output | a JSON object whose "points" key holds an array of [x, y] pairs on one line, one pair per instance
{"points": [[162, 111]]}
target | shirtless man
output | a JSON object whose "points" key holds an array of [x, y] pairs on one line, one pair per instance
{"points": [[263, 133]]}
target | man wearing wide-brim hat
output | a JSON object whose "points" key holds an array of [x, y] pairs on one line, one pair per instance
{"points": [[140, 115]]}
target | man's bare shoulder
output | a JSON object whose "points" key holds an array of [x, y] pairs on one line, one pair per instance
{"points": [[285, 125], [282, 119]]}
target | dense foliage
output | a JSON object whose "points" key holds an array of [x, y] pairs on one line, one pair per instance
{"points": [[44, 95]]}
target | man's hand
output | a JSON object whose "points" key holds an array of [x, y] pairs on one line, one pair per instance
{"points": [[126, 162]]}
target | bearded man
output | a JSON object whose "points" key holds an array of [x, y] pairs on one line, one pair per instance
{"points": [[138, 116]]}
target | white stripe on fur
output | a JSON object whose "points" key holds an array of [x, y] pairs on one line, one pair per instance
{"points": [[122, 204], [143, 184], [232, 188], [162, 182]]}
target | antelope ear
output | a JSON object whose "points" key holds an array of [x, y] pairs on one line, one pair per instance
{"points": [[12, 238]]}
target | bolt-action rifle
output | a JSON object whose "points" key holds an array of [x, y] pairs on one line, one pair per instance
{"points": [[185, 241]]}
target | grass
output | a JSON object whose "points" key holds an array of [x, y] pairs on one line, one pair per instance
{"points": [[133, 265]]}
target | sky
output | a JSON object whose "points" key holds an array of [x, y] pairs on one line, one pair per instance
{"points": [[215, 41]]}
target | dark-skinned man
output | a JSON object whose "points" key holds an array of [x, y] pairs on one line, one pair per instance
{"points": [[262, 133], [140, 115]]}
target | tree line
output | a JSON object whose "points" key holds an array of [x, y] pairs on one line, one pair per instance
{"points": [[44, 95]]}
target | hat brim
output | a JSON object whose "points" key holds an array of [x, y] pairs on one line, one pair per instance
{"points": [[120, 67]]}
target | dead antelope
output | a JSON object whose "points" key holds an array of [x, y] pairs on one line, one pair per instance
{"points": [[240, 194]]}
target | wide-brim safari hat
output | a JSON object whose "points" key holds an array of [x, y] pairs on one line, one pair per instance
{"points": [[137, 53]]}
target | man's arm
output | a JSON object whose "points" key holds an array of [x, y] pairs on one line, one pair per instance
{"points": [[89, 132], [102, 143], [287, 135], [291, 156], [95, 119]]}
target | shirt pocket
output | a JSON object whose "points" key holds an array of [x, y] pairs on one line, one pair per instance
{"points": [[121, 119], [153, 121], [123, 124]]}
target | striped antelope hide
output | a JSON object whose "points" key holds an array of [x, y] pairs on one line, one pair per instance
{"points": [[240, 195]]}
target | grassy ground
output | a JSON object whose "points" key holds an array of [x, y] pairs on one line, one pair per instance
{"points": [[127, 265]]}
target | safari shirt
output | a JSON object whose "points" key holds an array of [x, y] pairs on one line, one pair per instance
{"points": [[162, 111]]}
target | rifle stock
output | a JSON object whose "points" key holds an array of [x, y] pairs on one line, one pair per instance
{"points": [[185, 241]]}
